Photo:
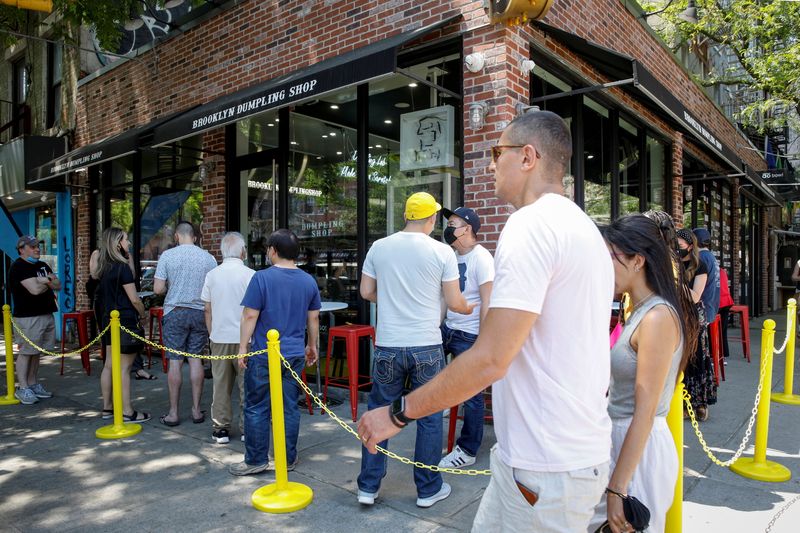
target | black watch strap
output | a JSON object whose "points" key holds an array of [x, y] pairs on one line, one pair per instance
{"points": [[397, 412]]}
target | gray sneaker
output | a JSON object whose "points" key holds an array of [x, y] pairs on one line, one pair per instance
{"points": [[244, 469], [26, 396], [40, 391]]}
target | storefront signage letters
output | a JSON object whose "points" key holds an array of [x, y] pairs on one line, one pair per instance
{"points": [[75, 163], [769, 175], [694, 123]]}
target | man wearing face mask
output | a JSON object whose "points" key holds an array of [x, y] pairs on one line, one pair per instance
{"points": [[32, 284], [459, 332]]}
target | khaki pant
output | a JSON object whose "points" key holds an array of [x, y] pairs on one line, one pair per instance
{"points": [[226, 373]]}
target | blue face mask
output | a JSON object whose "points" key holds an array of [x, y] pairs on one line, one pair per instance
{"points": [[32, 260]]}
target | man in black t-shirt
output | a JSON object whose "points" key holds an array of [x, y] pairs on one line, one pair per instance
{"points": [[32, 284]]}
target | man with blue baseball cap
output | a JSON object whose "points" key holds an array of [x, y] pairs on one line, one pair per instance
{"points": [[459, 332]]}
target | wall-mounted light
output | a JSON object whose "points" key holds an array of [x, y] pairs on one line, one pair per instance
{"points": [[202, 171], [477, 115], [527, 65], [475, 62], [687, 193]]}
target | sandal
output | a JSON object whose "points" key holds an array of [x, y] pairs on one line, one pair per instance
{"points": [[200, 419], [149, 377], [136, 417], [170, 423], [107, 413]]}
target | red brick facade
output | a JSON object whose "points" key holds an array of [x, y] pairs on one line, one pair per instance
{"points": [[255, 41]]}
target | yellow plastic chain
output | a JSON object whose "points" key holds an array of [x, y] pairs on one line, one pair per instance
{"points": [[688, 401], [187, 354], [57, 354], [392, 455]]}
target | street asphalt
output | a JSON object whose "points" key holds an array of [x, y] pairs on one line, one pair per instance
{"points": [[56, 476]]}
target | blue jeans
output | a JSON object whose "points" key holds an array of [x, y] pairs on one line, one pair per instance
{"points": [[457, 342], [391, 367], [258, 409]]}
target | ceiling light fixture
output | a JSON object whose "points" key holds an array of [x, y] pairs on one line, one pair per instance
{"points": [[387, 121], [334, 106], [412, 84]]}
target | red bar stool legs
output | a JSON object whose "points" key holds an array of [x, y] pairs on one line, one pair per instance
{"points": [[83, 337], [351, 333], [744, 313], [715, 338], [157, 314]]}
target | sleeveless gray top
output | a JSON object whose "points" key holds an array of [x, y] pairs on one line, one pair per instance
{"points": [[621, 395]]}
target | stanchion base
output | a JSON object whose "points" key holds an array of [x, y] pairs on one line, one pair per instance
{"points": [[118, 432], [294, 497], [788, 399], [768, 471], [9, 400]]}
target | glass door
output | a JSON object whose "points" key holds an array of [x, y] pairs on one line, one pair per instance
{"points": [[259, 213]]}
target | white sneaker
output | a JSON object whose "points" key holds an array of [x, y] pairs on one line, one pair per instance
{"points": [[40, 392], [366, 498], [443, 493], [26, 396], [458, 458]]}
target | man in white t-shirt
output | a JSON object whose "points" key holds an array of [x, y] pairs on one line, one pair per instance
{"points": [[476, 273], [222, 294], [544, 342], [407, 274]]}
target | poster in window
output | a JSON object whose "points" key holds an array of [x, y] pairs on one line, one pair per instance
{"points": [[426, 138]]}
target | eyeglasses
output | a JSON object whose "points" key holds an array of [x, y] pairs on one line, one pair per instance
{"points": [[497, 150]]}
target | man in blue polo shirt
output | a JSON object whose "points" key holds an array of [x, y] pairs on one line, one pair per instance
{"points": [[284, 298]]}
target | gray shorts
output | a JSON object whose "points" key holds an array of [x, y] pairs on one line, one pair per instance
{"points": [[41, 330], [185, 330]]}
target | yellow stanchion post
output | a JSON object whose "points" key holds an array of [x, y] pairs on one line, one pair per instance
{"points": [[9, 398], [758, 467], [282, 496], [119, 429], [788, 372], [674, 523]]}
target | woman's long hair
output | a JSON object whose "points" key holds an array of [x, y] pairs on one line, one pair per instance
{"points": [[690, 266], [639, 235], [109, 250]]}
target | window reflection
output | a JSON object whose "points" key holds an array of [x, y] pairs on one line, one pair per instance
{"points": [[629, 175], [597, 161]]}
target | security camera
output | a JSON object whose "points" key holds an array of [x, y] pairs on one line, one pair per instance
{"points": [[527, 65], [475, 62]]}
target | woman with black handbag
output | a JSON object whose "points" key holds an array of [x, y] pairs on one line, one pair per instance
{"points": [[117, 290], [653, 348]]}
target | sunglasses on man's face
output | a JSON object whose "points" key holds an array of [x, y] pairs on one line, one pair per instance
{"points": [[498, 149]]}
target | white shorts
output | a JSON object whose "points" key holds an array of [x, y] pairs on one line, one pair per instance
{"points": [[566, 499], [653, 482]]}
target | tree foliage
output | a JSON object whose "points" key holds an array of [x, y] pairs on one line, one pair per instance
{"points": [[103, 15], [763, 35]]}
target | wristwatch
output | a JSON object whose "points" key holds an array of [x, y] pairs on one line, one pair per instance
{"points": [[397, 413]]}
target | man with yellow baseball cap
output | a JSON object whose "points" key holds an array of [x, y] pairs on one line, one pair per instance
{"points": [[407, 274]]}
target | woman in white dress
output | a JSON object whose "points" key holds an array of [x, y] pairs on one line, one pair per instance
{"points": [[645, 363]]}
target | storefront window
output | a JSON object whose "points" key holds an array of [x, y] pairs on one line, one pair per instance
{"points": [[258, 133], [597, 161], [656, 174], [413, 145], [322, 192], [629, 176], [47, 235], [164, 203]]}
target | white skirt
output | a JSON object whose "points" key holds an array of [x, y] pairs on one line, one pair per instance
{"points": [[653, 482]]}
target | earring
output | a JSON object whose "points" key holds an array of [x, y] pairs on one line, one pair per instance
{"points": [[636, 269]]}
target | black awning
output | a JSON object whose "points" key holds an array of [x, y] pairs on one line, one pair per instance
{"points": [[46, 177], [644, 86], [43, 178], [358, 66]]}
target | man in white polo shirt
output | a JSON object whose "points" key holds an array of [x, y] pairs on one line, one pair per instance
{"points": [[222, 294], [543, 343]]}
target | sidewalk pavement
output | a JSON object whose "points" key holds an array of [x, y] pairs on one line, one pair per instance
{"points": [[55, 475]]}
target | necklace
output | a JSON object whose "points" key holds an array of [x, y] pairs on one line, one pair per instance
{"points": [[638, 304]]}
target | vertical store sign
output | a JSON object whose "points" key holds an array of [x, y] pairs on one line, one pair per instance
{"points": [[66, 255]]}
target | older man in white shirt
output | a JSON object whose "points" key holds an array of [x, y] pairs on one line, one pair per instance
{"points": [[222, 294]]}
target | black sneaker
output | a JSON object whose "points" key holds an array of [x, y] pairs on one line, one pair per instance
{"points": [[221, 436]]}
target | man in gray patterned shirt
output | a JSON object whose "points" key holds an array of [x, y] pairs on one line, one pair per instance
{"points": [[180, 273]]}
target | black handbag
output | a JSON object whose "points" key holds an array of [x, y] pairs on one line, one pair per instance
{"points": [[636, 513]]}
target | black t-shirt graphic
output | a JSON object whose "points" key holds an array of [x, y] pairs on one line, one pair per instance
{"points": [[25, 303]]}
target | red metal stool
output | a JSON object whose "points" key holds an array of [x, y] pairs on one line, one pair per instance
{"points": [[157, 314], [351, 333], [744, 313], [454, 416], [715, 339], [80, 318]]}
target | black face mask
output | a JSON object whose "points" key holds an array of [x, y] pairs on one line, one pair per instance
{"points": [[683, 253], [449, 235]]}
